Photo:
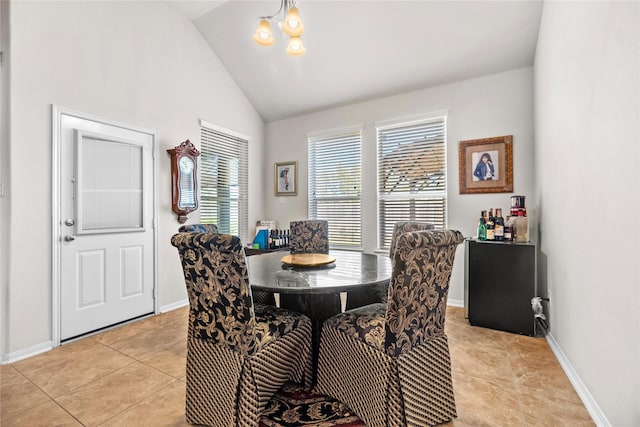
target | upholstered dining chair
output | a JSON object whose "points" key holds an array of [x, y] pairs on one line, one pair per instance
{"points": [[309, 236], [238, 353], [198, 228], [402, 227], [259, 297], [380, 293], [390, 363]]}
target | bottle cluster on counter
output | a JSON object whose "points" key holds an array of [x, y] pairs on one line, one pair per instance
{"points": [[515, 228], [278, 239]]}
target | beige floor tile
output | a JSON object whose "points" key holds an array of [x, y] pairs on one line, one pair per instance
{"points": [[171, 360], [148, 341], [9, 374], [542, 376], [106, 397], [179, 324], [58, 355], [164, 408], [86, 363], [19, 396], [44, 415], [456, 314], [490, 364], [474, 337], [126, 331], [555, 411], [486, 403], [178, 314], [134, 375]]}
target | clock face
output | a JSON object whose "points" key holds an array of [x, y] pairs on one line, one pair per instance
{"points": [[186, 165]]}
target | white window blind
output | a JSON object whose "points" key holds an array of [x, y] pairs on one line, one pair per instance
{"points": [[223, 181], [335, 182], [412, 175]]}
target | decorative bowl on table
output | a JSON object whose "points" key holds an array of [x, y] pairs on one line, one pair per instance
{"points": [[308, 260]]}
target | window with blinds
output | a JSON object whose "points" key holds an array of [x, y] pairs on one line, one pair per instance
{"points": [[335, 181], [412, 175], [223, 180]]}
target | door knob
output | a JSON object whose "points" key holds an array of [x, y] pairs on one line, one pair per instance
{"points": [[69, 238], [69, 221]]}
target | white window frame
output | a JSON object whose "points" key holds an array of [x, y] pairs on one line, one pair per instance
{"points": [[339, 237], [241, 151], [384, 230]]}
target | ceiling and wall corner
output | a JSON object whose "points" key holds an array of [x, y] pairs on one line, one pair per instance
{"points": [[362, 50]]}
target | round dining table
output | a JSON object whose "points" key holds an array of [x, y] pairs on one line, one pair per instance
{"points": [[316, 291]]}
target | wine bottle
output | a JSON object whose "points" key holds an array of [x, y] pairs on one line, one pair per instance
{"points": [[508, 229], [482, 228], [491, 226], [499, 225]]}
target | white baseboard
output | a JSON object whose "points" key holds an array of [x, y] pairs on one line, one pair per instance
{"points": [[26, 352], [455, 303], [173, 305], [589, 402]]}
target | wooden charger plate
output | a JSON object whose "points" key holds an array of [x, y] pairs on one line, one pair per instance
{"points": [[308, 260]]}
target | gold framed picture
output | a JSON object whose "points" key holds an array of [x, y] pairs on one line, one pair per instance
{"points": [[486, 165], [286, 179]]}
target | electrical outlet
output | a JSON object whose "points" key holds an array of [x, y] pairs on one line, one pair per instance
{"points": [[549, 299]]}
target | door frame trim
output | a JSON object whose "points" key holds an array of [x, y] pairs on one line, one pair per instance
{"points": [[56, 236]]}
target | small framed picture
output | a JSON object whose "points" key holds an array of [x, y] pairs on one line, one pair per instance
{"points": [[486, 165], [286, 179]]}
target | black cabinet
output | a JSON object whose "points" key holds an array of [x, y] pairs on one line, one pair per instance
{"points": [[499, 285]]}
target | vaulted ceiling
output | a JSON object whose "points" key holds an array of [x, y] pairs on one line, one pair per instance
{"points": [[360, 50]]}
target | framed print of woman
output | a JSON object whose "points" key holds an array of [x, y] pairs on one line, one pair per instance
{"points": [[485, 165], [486, 169], [285, 178]]}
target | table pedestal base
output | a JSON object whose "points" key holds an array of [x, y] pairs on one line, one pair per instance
{"points": [[318, 307]]}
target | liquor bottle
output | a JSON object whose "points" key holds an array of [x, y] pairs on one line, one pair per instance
{"points": [[522, 228], [280, 239], [491, 229], [508, 229], [499, 225], [482, 228]]}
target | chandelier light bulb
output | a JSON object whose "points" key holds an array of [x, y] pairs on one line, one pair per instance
{"points": [[292, 24], [295, 47], [263, 35], [289, 22]]}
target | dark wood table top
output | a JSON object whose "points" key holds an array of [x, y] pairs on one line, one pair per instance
{"points": [[351, 270]]}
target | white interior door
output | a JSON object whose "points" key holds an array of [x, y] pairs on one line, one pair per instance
{"points": [[106, 225]]}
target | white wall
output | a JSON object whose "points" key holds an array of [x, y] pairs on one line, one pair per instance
{"points": [[587, 118], [139, 63], [4, 174], [499, 104]]}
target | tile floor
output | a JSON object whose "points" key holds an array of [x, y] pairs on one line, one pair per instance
{"points": [[134, 376]]}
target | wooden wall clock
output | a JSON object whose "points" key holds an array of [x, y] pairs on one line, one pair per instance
{"points": [[184, 179]]}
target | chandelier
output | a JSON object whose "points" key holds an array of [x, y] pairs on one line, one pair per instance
{"points": [[291, 25]]}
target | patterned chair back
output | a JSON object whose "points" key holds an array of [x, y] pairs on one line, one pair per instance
{"points": [[309, 236], [198, 228], [418, 288], [402, 227], [215, 272]]}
